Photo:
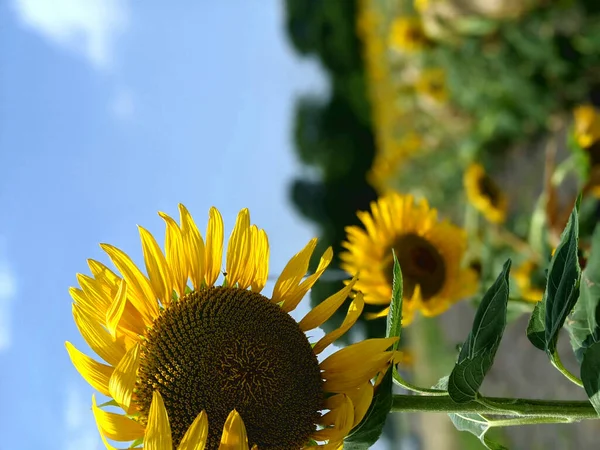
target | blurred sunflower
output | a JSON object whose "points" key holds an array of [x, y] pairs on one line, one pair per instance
{"points": [[432, 84], [212, 366], [531, 283], [484, 194], [407, 34], [586, 126], [429, 252]]}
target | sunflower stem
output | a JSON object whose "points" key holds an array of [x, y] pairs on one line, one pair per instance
{"points": [[551, 411]]}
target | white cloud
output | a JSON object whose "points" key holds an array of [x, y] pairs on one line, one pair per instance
{"points": [[81, 430], [88, 27], [8, 290], [122, 105]]}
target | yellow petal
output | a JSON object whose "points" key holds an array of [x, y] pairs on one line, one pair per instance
{"points": [[156, 267], [142, 297], [383, 313], [341, 418], [214, 246], [261, 254], [297, 294], [95, 373], [158, 430], [116, 426], [194, 247], [324, 310], [354, 312], [94, 410], [361, 399], [238, 250], [196, 435], [176, 256], [115, 312], [123, 378], [234, 433], [356, 364], [95, 299], [103, 274], [293, 272], [99, 340], [131, 322]]}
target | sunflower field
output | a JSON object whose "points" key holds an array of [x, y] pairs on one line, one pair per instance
{"points": [[460, 134]]}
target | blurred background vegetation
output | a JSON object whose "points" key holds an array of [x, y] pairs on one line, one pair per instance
{"points": [[420, 90]]}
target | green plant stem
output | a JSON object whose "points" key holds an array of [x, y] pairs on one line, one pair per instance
{"points": [[556, 362], [557, 410]]}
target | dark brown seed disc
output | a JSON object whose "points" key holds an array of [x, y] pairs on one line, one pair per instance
{"points": [[421, 264], [489, 189], [221, 349]]}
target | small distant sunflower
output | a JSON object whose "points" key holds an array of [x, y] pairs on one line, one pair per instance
{"points": [[212, 367], [432, 84], [586, 126], [484, 194], [407, 34], [530, 281], [429, 252]]}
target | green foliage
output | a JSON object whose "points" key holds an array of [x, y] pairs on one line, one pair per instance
{"points": [[590, 374], [478, 425], [475, 424], [562, 290], [584, 323], [477, 354], [394, 319]]}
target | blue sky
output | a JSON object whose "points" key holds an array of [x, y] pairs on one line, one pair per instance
{"points": [[109, 112]]}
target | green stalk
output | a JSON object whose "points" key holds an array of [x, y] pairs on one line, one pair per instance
{"points": [[552, 411]]}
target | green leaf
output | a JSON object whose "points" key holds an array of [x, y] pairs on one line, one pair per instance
{"points": [[367, 432], [478, 352], [562, 290], [473, 423], [562, 286], [536, 332], [590, 374], [583, 325], [478, 425], [394, 318]]}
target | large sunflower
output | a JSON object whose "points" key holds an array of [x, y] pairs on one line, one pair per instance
{"points": [[429, 252], [484, 194], [219, 367]]}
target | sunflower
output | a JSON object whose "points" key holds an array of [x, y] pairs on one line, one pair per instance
{"points": [[407, 34], [219, 367], [530, 281], [586, 126], [484, 194], [429, 252], [432, 84]]}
